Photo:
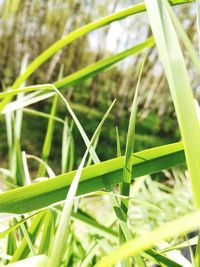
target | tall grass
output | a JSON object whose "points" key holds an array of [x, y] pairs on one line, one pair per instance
{"points": [[42, 230]]}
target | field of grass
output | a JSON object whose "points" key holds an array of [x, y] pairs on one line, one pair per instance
{"points": [[80, 203]]}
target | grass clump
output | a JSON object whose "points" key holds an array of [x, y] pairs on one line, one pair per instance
{"points": [[50, 224]]}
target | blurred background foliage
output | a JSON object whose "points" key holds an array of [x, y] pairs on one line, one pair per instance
{"points": [[29, 27]]}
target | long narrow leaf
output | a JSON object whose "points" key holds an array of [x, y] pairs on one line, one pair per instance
{"points": [[102, 65], [75, 35], [133, 247], [172, 59], [93, 178]]}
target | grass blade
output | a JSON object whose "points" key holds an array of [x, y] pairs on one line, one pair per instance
{"points": [[47, 233], [23, 250], [127, 170], [75, 35], [102, 65], [57, 252], [67, 141], [37, 261], [99, 229], [135, 246], [186, 41], [198, 21], [23, 102], [48, 138], [95, 177], [181, 92]]}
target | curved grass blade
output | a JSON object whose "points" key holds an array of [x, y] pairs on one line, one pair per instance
{"points": [[48, 169], [172, 59], [102, 65], [74, 78], [80, 32], [16, 225], [23, 249], [26, 101], [186, 41], [71, 79], [160, 258], [26, 89], [135, 246], [37, 261], [49, 52], [75, 35], [58, 247], [42, 115], [94, 226], [198, 22]]}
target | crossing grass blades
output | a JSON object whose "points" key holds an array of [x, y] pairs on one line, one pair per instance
{"points": [[45, 218]]}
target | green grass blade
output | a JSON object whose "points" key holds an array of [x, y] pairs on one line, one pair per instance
{"points": [[11, 244], [27, 176], [48, 53], [16, 225], [26, 101], [48, 137], [95, 177], [127, 170], [102, 65], [71, 155], [135, 246], [76, 77], [65, 146], [186, 41], [75, 35], [181, 92], [17, 164], [47, 233], [79, 126], [9, 134], [160, 258], [89, 162], [28, 239], [119, 153], [67, 141], [198, 21], [42, 115], [37, 261], [49, 171], [94, 226], [26, 89], [80, 32], [58, 248], [92, 250], [23, 250]]}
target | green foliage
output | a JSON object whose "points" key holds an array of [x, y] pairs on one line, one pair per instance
{"points": [[49, 233]]}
